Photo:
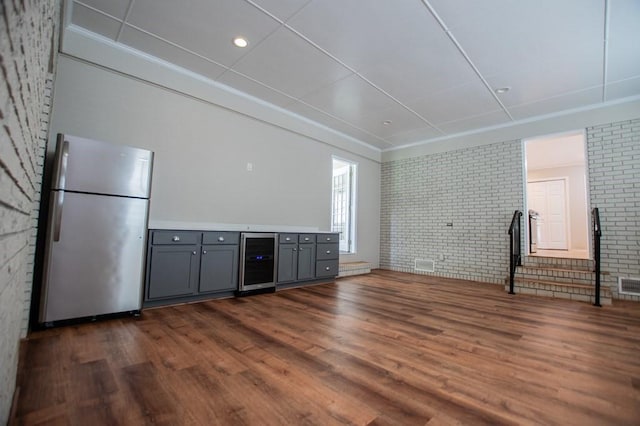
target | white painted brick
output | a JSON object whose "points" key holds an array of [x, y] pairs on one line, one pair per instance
{"points": [[615, 191], [421, 195], [26, 31]]}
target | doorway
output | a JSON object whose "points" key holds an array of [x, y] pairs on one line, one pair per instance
{"points": [[556, 188]]}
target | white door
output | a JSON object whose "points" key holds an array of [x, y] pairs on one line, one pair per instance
{"points": [[548, 198]]}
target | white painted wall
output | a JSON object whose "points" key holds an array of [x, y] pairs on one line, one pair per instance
{"points": [[202, 151]]}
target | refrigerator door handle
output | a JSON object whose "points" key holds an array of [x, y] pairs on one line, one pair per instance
{"points": [[57, 214], [61, 160]]}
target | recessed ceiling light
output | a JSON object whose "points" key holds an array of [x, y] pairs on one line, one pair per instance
{"points": [[386, 122], [240, 42], [501, 90]]}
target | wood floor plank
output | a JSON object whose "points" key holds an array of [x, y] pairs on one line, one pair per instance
{"points": [[385, 348]]}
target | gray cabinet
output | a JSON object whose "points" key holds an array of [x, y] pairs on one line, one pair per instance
{"points": [[296, 257], [219, 262], [287, 262], [306, 256], [172, 264], [327, 255], [188, 265]]}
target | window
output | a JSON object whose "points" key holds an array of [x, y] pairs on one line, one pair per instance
{"points": [[343, 203]]}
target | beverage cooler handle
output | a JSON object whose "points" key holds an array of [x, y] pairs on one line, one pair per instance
{"points": [[57, 214]]}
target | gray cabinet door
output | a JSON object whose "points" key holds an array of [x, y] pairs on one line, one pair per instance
{"points": [[306, 261], [287, 262], [173, 271], [219, 268]]}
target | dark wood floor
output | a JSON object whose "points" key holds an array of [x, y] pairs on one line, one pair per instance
{"points": [[385, 348]]}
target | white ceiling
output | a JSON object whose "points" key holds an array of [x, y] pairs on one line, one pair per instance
{"points": [[429, 67]]}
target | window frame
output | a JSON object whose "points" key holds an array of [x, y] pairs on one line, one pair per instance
{"points": [[351, 204]]}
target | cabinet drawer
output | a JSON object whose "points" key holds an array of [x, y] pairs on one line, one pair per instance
{"points": [[175, 237], [328, 238], [327, 268], [288, 238], [327, 251], [306, 238], [221, 238]]}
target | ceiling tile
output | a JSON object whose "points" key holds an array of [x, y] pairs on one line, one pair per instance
{"points": [[94, 21], [464, 101], [283, 9], [624, 39], [623, 88], [361, 35], [557, 103], [544, 37], [364, 106], [493, 118], [287, 63], [160, 49], [253, 88], [203, 26], [340, 126], [350, 97], [115, 8], [396, 45], [410, 74], [531, 85]]}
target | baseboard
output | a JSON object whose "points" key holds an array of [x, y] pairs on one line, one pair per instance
{"points": [[14, 408], [22, 353]]}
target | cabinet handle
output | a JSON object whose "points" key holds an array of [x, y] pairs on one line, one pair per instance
{"points": [[327, 268], [328, 238], [306, 239], [295, 249], [193, 252], [175, 238], [287, 239], [328, 251], [204, 252], [301, 249], [221, 239]]}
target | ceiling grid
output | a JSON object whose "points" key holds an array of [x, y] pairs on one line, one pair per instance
{"points": [[393, 74]]}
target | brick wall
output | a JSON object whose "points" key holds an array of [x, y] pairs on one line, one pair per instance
{"points": [[476, 189], [614, 180], [27, 43]]}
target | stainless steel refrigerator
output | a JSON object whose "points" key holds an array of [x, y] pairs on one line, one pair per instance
{"points": [[96, 231]]}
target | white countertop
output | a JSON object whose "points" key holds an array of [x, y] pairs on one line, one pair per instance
{"points": [[209, 226]]}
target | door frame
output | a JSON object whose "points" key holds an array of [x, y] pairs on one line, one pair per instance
{"points": [[523, 145]]}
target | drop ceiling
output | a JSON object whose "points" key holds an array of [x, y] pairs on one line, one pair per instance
{"points": [[393, 73]]}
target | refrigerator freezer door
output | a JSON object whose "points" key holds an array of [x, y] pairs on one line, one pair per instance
{"points": [[97, 265], [85, 165]]}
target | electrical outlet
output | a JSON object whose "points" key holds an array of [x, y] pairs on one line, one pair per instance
{"points": [[249, 167]]}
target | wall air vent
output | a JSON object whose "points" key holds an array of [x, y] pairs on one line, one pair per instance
{"points": [[425, 265], [629, 286]]}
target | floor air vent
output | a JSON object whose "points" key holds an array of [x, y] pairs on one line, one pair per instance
{"points": [[629, 286], [425, 265]]}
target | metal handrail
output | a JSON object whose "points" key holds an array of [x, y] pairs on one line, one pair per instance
{"points": [[597, 234], [515, 249]]}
